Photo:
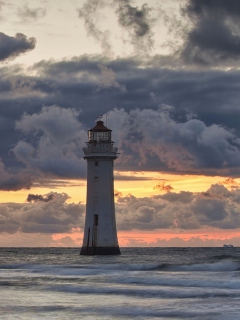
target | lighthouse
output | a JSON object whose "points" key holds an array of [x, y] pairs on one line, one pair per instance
{"points": [[100, 232]]}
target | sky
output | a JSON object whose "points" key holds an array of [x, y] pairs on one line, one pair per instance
{"points": [[164, 74]]}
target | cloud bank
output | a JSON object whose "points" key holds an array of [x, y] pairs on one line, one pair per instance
{"points": [[153, 139], [50, 145], [41, 216], [216, 208]]}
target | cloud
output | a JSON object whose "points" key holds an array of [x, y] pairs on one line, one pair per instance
{"points": [[75, 82], [55, 137], [90, 13], [164, 187], [154, 140], [108, 79], [197, 241], [152, 213], [120, 176], [51, 144], [54, 216], [11, 47], [31, 14], [214, 37], [14, 181], [136, 21], [217, 207], [231, 183], [207, 34], [39, 197], [22, 86], [117, 193], [202, 127]]}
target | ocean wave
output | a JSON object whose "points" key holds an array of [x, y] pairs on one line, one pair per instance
{"points": [[219, 266], [145, 291], [225, 256], [180, 280], [107, 312]]}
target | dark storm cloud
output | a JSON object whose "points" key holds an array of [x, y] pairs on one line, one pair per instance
{"points": [[199, 134], [219, 7], [211, 94], [167, 144], [31, 14], [11, 47], [14, 180], [215, 35], [57, 138], [184, 210], [55, 216]]}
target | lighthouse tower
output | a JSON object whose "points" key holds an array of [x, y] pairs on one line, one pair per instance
{"points": [[100, 233]]}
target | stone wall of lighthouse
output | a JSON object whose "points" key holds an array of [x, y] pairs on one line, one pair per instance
{"points": [[100, 234]]}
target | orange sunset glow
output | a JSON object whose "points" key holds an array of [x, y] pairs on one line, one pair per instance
{"points": [[210, 237], [145, 186]]}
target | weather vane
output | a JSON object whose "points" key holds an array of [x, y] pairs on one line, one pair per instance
{"points": [[99, 118]]}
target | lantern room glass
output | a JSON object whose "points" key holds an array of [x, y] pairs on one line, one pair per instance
{"points": [[94, 136]]}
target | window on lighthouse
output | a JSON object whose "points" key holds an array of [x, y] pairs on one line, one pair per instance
{"points": [[96, 179], [95, 219]]}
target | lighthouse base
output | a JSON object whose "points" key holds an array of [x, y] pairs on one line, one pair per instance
{"points": [[87, 251]]}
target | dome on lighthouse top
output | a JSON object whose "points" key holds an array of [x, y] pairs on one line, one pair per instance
{"points": [[100, 127]]}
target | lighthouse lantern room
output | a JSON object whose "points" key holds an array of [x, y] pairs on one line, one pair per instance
{"points": [[100, 233]]}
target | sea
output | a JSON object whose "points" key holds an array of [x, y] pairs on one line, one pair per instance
{"points": [[141, 283]]}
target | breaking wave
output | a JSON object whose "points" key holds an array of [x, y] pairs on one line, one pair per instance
{"points": [[219, 266]]}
